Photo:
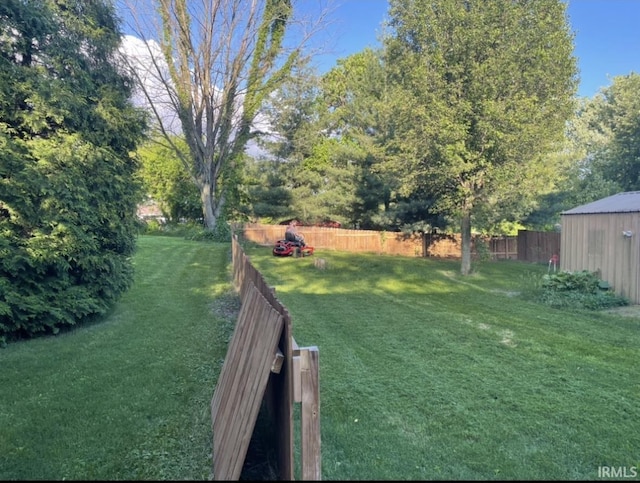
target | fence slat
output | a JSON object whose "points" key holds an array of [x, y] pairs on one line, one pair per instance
{"points": [[538, 246]]}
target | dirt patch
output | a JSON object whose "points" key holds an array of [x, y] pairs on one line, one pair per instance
{"points": [[226, 306]]}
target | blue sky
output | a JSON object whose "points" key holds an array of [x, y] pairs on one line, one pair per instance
{"points": [[607, 36]]}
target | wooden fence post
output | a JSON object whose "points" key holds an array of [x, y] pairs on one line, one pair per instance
{"points": [[310, 413]]}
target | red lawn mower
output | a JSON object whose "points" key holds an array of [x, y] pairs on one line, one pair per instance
{"points": [[287, 248]]}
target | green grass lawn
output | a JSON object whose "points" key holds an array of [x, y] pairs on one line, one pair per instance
{"points": [[424, 374], [127, 397]]}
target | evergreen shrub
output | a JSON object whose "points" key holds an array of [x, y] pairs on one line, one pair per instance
{"points": [[67, 191]]}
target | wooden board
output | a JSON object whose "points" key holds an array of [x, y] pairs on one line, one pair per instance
{"points": [[240, 389]]}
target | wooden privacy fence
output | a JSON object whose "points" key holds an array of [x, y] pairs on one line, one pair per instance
{"points": [[538, 246], [393, 243], [340, 239], [264, 367], [449, 246]]}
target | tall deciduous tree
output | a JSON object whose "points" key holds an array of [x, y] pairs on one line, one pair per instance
{"points": [[481, 92], [67, 194], [212, 67]]}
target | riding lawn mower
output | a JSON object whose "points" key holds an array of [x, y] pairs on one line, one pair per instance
{"points": [[286, 248]]}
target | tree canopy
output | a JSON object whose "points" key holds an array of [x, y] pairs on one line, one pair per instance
{"points": [[454, 120], [601, 155], [481, 91], [316, 168], [619, 114]]}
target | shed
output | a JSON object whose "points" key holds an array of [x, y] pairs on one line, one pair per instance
{"points": [[604, 236]]}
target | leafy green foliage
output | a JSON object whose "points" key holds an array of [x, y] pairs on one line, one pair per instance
{"points": [[67, 195], [327, 152], [312, 177], [480, 91], [221, 233], [619, 115], [581, 289], [167, 181], [268, 197], [601, 151], [452, 120], [583, 281]]}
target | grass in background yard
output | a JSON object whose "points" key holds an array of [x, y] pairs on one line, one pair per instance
{"points": [[128, 397], [426, 374]]}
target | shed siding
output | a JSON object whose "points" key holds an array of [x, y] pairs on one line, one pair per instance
{"points": [[595, 242]]}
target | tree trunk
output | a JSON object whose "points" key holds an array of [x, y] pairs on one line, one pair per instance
{"points": [[465, 231], [209, 210]]}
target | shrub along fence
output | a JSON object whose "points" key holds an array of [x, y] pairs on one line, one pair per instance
{"points": [[264, 368], [531, 246]]}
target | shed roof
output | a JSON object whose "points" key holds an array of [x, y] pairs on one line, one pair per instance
{"points": [[627, 202]]}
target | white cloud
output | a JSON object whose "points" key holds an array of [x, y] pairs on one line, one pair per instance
{"points": [[152, 72]]}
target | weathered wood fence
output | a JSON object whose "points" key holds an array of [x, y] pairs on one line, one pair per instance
{"points": [[340, 239], [449, 246], [264, 367], [531, 246], [538, 246]]}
